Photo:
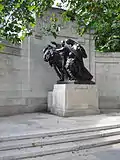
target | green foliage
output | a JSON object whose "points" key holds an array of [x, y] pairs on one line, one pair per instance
{"points": [[102, 16], [1, 47], [18, 17]]}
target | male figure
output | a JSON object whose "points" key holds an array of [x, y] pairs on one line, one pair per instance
{"points": [[64, 51]]}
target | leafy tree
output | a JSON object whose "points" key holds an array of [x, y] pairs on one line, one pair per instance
{"points": [[17, 17], [103, 16]]}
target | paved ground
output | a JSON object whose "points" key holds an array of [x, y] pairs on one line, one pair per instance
{"points": [[111, 152], [39, 122]]}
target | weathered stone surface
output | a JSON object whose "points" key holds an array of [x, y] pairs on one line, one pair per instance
{"points": [[50, 101], [74, 100], [12, 106], [44, 136], [107, 66]]}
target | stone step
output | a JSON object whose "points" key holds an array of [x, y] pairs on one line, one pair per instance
{"points": [[57, 148], [56, 139], [109, 110], [32, 135], [88, 154]]}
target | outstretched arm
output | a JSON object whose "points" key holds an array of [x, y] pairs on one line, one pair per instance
{"points": [[60, 49], [56, 44], [49, 46]]}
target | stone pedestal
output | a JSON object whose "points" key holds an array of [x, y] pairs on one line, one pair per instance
{"points": [[73, 100]]}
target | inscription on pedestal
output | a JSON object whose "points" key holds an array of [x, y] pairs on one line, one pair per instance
{"points": [[81, 87]]}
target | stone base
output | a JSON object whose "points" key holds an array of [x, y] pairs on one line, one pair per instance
{"points": [[73, 100], [75, 82]]}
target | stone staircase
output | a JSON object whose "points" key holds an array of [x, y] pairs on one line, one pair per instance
{"points": [[55, 142]]}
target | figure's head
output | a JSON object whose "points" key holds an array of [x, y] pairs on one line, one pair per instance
{"points": [[70, 42], [47, 53], [63, 43], [48, 47], [81, 51]]}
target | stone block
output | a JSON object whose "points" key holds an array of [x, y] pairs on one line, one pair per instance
{"points": [[73, 100], [20, 105], [50, 101]]}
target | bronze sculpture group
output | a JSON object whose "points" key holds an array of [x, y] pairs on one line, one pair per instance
{"points": [[67, 60]]}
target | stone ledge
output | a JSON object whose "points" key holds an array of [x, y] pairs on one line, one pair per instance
{"points": [[25, 105], [19, 109], [109, 110], [74, 112]]}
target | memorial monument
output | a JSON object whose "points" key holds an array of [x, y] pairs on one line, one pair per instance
{"points": [[75, 93], [67, 60]]}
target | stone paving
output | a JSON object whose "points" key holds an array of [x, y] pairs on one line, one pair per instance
{"points": [[40, 122], [111, 152]]}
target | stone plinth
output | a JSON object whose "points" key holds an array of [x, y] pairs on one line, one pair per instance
{"points": [[73, 100]]}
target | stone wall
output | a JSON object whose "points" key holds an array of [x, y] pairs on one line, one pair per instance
{"points": [[15, 91], [10, 81], [25, 78], [42, 76], [107, 68]]}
